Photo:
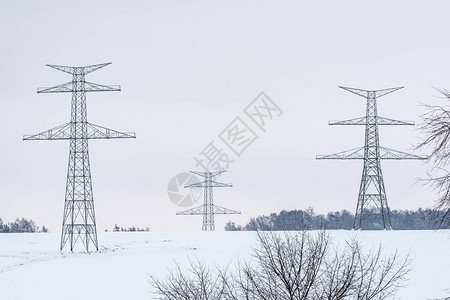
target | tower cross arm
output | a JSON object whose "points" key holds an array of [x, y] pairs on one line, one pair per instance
{"points": [[373, 94], [94, 87], [386, 153], [82, 70], [199, 210], [204, 174], [92, 68], [61, 132], [196, 185], [381, 93], [387, 121], [62, 88], [363, 121], [65, 69], [87, 87], [220, 184], [100, 132], [357, 153], [219, 210], [355, 121], [208, 184]]}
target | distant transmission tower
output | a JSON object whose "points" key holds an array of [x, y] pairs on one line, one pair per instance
{"points": [[372, 186], [208, 209], [79, 217]]}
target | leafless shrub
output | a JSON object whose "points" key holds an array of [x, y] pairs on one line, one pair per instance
{"points": [[199, 282], [299, 265]]}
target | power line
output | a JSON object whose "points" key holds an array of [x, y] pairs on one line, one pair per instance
{"points": [[79, 216], [372, 189]]}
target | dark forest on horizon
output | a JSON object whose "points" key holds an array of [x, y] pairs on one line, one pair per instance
{"points": [[420, 219]]}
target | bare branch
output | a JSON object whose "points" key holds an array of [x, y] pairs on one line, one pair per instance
{"points": [[293, 265], [435, 126]]}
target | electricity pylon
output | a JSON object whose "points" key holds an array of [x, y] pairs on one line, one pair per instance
{"points": [[79, 215], [208, 209], [372, 186]]}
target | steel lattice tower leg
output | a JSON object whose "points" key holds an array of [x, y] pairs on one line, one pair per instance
{"points": [[372, 184], [208, 209], [371, 190], [79, 215], [208, 216]]}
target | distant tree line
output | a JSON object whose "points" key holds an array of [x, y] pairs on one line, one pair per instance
{"points": [[421, 219], [20, 225], [130, 229]]}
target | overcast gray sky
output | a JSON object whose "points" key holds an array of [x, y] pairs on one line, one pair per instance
{"points": [[187, 70]]}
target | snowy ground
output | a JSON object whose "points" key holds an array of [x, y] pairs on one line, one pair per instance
{"points": [[31, 267]]}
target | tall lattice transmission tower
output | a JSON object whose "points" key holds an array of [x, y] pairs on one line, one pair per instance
{"points": [[372, 191], [79, 216], [208, 209]]}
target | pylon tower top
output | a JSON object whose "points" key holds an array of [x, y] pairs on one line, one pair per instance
{"points": [[208, 209], [371, 93], [79, 217], [372, 190]]}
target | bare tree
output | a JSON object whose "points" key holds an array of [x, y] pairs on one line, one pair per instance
{"points": [[199, 282], [301, 265], [435, 126]]}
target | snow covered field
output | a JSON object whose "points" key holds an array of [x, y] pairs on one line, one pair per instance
{"points": [[31, 267]]}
